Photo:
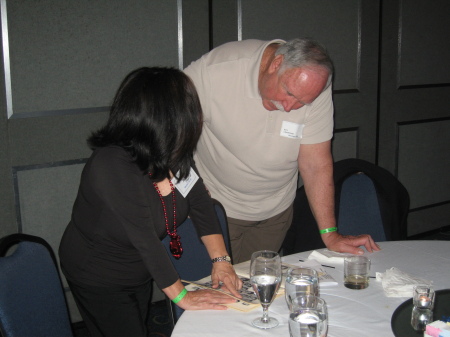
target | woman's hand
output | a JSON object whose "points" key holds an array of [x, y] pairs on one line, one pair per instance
{"points": [[205, 299], [224, 272]]}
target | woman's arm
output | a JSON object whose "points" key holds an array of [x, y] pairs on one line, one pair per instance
{"points": [[221, 271]]}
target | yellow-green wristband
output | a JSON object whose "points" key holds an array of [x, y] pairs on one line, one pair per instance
{"points": [[328, 230], [180, 296]]}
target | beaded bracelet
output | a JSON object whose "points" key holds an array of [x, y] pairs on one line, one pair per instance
{"points": [[180, 296], [328, 230]]}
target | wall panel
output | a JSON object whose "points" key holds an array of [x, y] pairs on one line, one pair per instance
{"points": [[73, 54], [421, 220], [423, 31], [195, 27], [345, 144], [422, 153], [226, 19], [414, 115], [45, 195]]}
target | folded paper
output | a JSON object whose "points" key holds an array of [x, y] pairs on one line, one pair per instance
{"points": [[328, 256]]}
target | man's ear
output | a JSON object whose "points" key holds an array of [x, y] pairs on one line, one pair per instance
{"points": [[276, 63]]}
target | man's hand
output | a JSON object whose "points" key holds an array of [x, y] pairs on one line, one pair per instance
{"points": [[349, 243]]}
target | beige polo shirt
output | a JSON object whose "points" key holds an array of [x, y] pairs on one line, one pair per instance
{"points": [[247, 155]]}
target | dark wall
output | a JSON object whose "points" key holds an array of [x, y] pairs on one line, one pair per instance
{"points": [[63, 60]]}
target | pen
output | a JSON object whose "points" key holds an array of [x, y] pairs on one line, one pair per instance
{"points": [[323, 265]]}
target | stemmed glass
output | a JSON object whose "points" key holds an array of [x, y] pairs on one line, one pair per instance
{"points": [[265, 277]]}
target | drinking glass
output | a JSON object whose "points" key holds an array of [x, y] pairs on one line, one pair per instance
{"points": [[356, 272], [308, 317], [301, 281], [265, 277]]}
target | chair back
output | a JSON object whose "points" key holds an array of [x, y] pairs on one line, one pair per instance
{"points": [[32, 301], [195, 262], [359, 211]]}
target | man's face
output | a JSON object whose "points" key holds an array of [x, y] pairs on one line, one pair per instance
{"points": [[292, 89]]}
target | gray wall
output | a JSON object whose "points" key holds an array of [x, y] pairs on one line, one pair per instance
{"points": [[63, 60]]}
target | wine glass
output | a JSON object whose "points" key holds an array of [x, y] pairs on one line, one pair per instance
{"points": [[265, 277]]}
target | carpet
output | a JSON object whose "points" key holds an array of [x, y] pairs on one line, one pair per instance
{"points": [[159, 322]]}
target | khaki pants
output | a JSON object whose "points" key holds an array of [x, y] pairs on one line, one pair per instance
{"points": [[250, 236]]}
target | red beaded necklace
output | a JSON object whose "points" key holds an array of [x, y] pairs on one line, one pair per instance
{"points": [[175, 242]]}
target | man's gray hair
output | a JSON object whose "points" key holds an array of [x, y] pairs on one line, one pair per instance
{"points": [[304, 52]]}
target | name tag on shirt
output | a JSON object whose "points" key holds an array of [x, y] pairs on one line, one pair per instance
{"points": [[291, 130], [184, 186]]}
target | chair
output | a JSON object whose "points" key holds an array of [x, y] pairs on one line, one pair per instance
{"points": [[359, 210], [368, 200], [32, 301], [195, 262]]}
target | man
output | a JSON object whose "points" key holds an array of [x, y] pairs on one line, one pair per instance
{"points": [[249, 153]]}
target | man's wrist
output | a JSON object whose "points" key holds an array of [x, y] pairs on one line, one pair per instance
{"points": [[328, 230]]}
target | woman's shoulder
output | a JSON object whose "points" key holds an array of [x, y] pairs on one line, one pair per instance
{"points": [[110, 153], [112, 158]]}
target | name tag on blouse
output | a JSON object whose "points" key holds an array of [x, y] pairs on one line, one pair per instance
{"points": [[291, 130], [184, 186]]}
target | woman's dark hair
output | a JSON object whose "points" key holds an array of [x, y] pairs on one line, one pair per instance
{"points": [[156, 116]]}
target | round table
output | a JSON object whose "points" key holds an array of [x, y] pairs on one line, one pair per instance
{"points": [[352, 313]]}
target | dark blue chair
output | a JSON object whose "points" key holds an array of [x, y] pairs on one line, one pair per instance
{"points": [[359, 211], [195, 262], [32, 301]]}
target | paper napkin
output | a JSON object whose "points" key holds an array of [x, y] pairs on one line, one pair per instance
{"points": [[397, 283], [328, 256]]}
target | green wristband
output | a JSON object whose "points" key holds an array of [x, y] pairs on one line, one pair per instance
{"points": [[328, 230], [180, 296]]}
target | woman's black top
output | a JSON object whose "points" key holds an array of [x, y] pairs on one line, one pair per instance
{"points": [[114, 236]]}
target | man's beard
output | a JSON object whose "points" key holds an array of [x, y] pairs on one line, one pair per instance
{"points": [[278, 105]]}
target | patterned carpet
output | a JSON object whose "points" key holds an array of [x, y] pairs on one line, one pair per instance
{"points": [[160, 325]]}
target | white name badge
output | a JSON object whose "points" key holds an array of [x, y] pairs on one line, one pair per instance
{"points": [[291, 130], [184, 186]]}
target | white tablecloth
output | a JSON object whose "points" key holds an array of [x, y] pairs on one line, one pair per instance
{"points": [[352, 313]]}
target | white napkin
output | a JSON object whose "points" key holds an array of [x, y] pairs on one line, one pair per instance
{"points": [[397, 283], [328, 256]]}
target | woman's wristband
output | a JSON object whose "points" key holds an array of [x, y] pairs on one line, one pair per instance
{"points": [[180, 296], [328, 230]]}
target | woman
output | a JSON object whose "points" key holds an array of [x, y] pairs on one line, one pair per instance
{"points": [[127, 199]]}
